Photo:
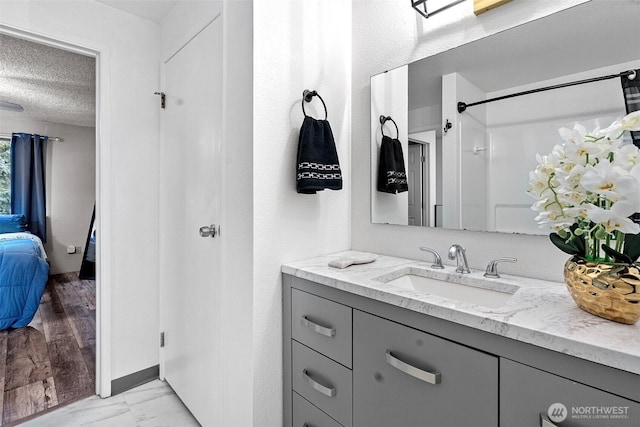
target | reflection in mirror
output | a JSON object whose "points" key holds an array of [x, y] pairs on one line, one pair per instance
{"points": [[470, 170], [88, 266], [421, 178], [389, 98]]}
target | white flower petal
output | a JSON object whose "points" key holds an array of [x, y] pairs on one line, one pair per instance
{"points": [[631, 121], [622, 208]]}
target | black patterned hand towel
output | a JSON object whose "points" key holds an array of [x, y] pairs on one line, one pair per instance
{"points": [[392, 177], [318, 166]]}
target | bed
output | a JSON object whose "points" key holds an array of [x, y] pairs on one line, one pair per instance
{"points": [[23, 276]]}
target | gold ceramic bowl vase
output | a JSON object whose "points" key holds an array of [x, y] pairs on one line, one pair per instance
{"points": [[611, 291]]}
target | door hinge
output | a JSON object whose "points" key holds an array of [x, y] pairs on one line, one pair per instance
{"points": [[161, 339], [423, 159], [163, 99]]}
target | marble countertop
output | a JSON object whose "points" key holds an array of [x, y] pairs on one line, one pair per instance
{"points": [[540, 312]]}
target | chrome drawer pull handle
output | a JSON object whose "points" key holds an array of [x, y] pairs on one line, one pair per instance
{"points": [[322, 330], [327, 391], [544, 421], [428, 377]]}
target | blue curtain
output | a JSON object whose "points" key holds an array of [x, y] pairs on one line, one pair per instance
{"points": [[27, 180]]}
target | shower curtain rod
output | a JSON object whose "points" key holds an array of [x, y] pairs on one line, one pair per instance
{"points": [[7, 136], [462, 106]]}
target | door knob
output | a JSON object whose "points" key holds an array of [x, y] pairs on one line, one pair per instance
{"points": [[209, 231]]}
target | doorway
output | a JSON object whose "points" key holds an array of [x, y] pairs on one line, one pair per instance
{"points": [[52, 361], [421, 174]]}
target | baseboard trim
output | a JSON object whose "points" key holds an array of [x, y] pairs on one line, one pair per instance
{"points": [[130, 381]]}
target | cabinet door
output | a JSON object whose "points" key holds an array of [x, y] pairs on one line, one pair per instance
{"points": [[405, 377], [530, 397], [323, 382], [307, 415], [323, 325]]}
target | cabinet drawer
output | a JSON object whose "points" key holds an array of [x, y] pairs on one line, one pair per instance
{"points": [[405, 377], [307, 415], [526, 393], [323, 325], [323, 382]]}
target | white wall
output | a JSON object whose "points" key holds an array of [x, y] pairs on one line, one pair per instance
{"points": [[237, 199], [297, 45], [128, 76], [238, 336], [70, 187], [71, 194], [472, 159], [464, 180], [387, 34]]}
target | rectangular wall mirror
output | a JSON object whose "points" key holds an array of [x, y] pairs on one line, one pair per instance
{"points": [[470, 170]]}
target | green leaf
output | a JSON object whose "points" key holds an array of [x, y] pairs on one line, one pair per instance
{"points": [[578, 240], [569, 248], [617, 256], [632, 246]]}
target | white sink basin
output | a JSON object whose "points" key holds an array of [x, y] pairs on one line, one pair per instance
{"points": [[489, 294]]}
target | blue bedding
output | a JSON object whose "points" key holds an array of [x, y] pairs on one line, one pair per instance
{"points": [[23, 276]]}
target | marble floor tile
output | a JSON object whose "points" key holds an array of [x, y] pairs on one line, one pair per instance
{"points": [[156, 404], [146, 392], [122, 419], [152, 404], [163, 411]]}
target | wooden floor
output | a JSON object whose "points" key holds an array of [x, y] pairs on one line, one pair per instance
{"points": [[52, 361]]}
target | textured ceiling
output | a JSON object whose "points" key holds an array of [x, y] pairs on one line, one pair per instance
{"points": [[52, 85]]}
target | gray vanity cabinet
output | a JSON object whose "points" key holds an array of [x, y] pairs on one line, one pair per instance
{"points": [[405, 377], [526, 394], [353, 361]]}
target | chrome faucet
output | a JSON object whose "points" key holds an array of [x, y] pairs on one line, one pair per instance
{"points": [[458, 253], [492, 267], [437, 261]]}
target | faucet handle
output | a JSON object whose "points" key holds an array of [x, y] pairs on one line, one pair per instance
{"points": [[459, 253], [437, 261], [453, 251], [492, 267]]}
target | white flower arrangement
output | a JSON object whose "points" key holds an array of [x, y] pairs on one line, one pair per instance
{"points": [[587, 189]]}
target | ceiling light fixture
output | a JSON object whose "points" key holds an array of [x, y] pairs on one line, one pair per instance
{"points": [[435, 6], [10, 106]]}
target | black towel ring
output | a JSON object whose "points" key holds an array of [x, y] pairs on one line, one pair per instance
{"points": [[383, 120], [307, 96]]}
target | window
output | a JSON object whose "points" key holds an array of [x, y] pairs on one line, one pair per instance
{"points": [[5, 176]]}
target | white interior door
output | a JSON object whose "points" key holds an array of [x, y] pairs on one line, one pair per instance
{"points": [[191, 309]]}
